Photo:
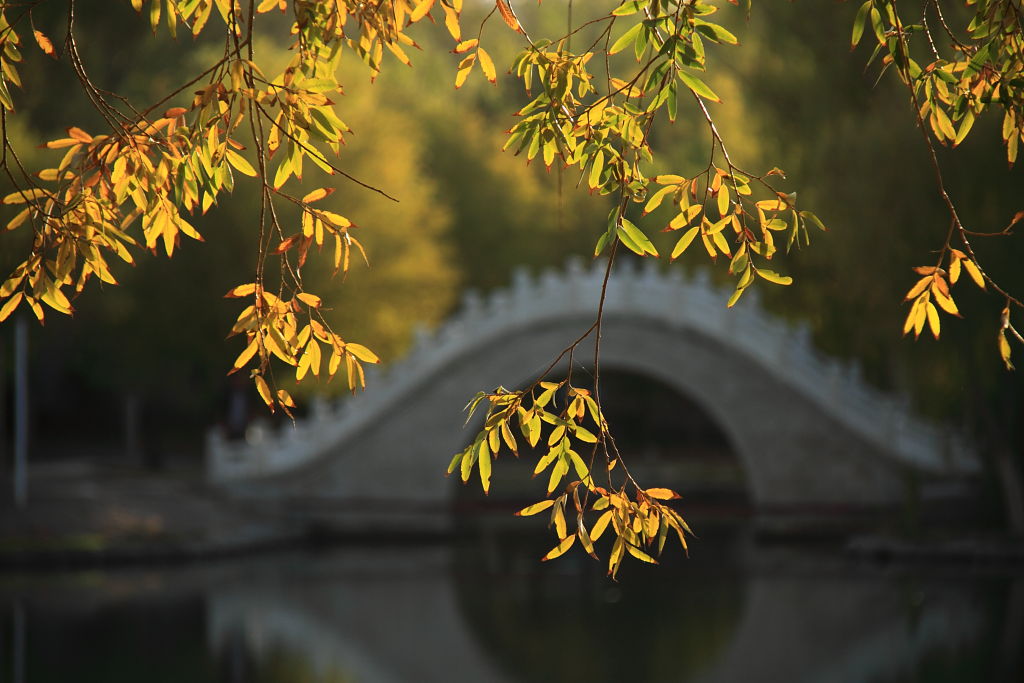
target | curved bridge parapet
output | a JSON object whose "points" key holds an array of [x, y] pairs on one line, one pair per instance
{"points": [[638, 298]]}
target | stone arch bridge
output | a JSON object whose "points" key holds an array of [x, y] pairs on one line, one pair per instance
{"points": [[807, 430]]}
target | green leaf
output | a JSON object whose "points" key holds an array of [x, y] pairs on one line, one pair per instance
{"points": [[858, 24], [772, 276], [635, 239], [626, 39], [631, 7], [698, 86]]}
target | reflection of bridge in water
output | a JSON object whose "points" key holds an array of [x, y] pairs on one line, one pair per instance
{"points": [[379, 616], [808, 433]]}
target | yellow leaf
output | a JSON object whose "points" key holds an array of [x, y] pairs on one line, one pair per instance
{"points": [[451, 22], [466, 46], [600, 525], [954, 269], [535, 508], [559, 549], [640, 554], [933, 319], [264, 390], [246, 354], [55, 299], [20, 218], [560, 529], [285, 398], [240, 163], [485, 466], [584, 537], [684, 242], [465, 66], [487, 66], [421, 10], [309, 299], [10, 305], [974, 272], [615, 558], [921, 285], [23, 196], [946, 303], [1004, 350], [920, 316], [362, 353]]}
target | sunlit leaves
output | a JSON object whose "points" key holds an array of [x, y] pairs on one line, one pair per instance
{"points": [[554, 414]]}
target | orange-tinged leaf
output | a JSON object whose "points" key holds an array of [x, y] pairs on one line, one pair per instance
{"points": [[535, 508], [466, 46], [508, 16], [662, 493], [79, 134], [44, 43], [285, 398], [317, 194], [559, 549], [240, 291]]}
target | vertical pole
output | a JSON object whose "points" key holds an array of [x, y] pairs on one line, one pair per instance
{"points": [[18, 656], [21, 412], [4, 445]]}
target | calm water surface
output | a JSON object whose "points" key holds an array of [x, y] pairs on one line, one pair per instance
{"points": [[485, 610]]}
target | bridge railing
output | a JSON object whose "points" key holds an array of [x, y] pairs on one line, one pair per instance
{"points": [[692, 302]]}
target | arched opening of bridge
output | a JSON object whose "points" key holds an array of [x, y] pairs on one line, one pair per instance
{"points": [[665, 437]]}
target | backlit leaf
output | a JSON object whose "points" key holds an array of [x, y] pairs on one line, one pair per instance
{"points": [[559, 549], [535, 508]]}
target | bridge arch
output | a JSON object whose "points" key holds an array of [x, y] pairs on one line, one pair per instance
{"points": [[807, 430]]}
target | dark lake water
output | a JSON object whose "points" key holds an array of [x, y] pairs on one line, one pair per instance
{"points": [[484, 609]]}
